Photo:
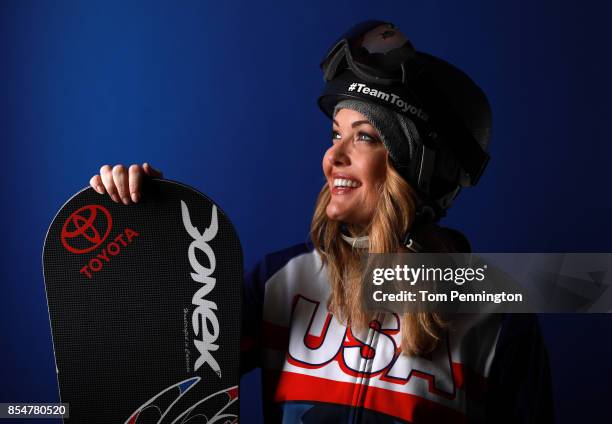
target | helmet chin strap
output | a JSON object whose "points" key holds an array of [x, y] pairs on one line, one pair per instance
{"points": [[412, 245]]}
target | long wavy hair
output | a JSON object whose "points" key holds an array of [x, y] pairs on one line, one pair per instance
{"points": [[393, 217]]}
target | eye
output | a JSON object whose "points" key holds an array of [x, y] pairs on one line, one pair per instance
{"points": [[335, 136], [364, 136]]}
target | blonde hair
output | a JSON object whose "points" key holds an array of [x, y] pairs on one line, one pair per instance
{"points": [[393, 217]]}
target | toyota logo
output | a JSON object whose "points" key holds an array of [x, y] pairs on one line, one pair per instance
{"points": [[86, 229]]}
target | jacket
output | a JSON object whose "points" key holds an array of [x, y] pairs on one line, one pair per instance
{"points": [[488, 368]]}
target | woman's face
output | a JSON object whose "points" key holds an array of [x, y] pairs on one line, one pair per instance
{"points": [[355, 167]]}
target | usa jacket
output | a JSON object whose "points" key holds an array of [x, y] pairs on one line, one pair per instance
{"points": [[489, 367]]}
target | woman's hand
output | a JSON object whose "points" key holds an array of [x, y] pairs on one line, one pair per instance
{"points": [[123, 185]]}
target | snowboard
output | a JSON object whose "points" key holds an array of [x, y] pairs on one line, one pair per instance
{"points": [[145, 307]]}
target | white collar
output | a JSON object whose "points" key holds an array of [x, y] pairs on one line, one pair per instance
{"points": [[362, 242]]}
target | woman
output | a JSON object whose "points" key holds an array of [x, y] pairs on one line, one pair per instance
{"points": [[409, 130]]}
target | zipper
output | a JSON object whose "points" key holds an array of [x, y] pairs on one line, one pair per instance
{"points": [[365, 367]]}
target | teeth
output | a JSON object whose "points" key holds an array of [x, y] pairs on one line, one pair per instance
{"points": [[342, 182]]}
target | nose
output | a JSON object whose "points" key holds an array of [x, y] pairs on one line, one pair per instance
{"points": [[337, 155]]}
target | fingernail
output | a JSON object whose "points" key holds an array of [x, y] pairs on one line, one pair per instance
{"points": [[126, 200], [99, 189], [115, 198], [135, 197]]}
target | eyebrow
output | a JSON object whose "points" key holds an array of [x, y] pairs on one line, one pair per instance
{"points": [[355, 124]]}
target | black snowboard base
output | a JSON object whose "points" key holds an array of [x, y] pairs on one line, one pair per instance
{"points": [[144, 304]]}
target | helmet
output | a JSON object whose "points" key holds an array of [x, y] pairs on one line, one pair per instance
{"points": [[374, 62]]}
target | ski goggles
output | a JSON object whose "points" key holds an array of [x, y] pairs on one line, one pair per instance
{"points": [[375, 51]]}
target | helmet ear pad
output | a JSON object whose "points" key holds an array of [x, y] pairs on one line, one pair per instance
{"points": [[439, 188]]}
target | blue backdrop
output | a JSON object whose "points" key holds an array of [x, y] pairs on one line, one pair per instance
{"points": [[222, 96]]}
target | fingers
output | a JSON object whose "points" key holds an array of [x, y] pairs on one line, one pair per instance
{"points": [[96, 183], [150, 171], [120, 176], [106, 174], [123, 185], [135, 178]]}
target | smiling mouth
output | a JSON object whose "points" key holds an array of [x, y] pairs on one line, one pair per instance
{"points": [[343, 185], [342, 182]]}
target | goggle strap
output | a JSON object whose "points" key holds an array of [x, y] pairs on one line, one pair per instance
{"points": [[426, 167], [330, 65]]}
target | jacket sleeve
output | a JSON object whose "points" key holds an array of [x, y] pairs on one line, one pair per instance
{"points": [[253, 302], [519, 385]]}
